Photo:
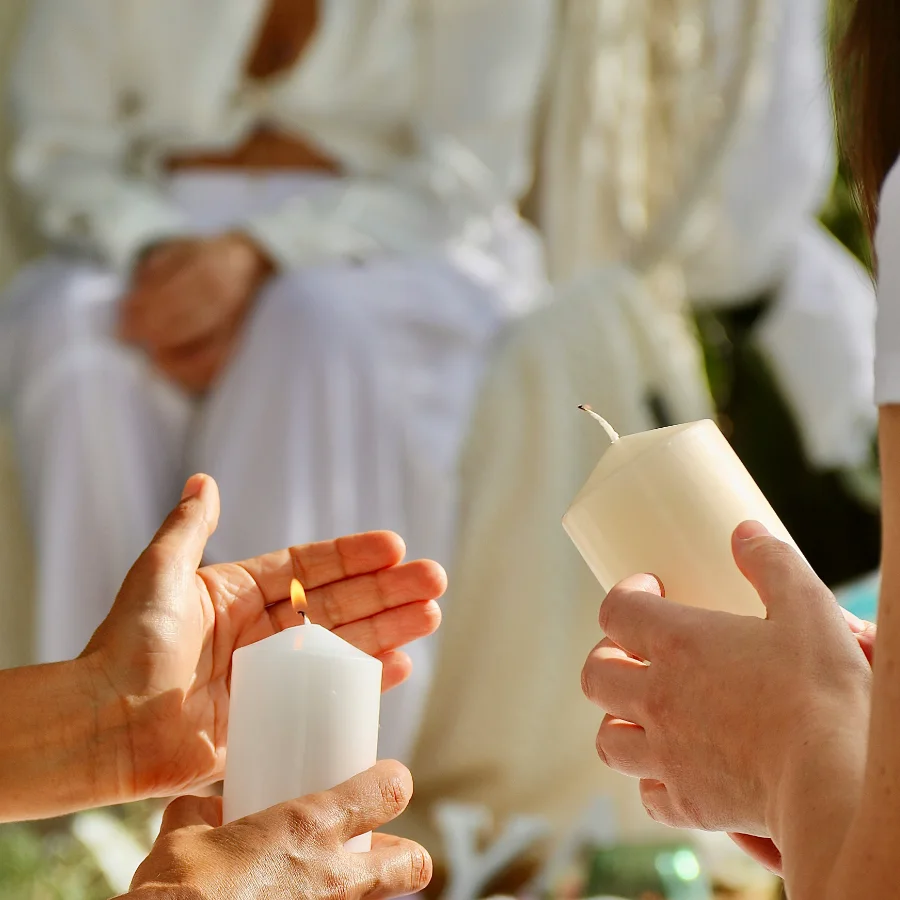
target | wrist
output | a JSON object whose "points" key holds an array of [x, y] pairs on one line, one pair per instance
{"points": [[812, 805], [64, 746]]}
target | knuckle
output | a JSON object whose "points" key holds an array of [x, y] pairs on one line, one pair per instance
{"points": [[674, 645], [687, 813], [420, 868], [158, 558], [656, 703], [587, 678], [650, 801], [651, 809], [599, 743], [408, 871], [657, 802], [609, 608], [770, 552], [393, 794], [307, 821]]}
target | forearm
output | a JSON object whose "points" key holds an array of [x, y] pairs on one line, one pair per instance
{"points": [[62, 745], [858, 858]]}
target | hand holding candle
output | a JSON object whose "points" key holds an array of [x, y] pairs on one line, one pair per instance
{"points": [[163, 655], [296, 849], [716, 713]]}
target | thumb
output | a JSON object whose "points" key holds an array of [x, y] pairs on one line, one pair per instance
{"points": [[172, 557], [781, 576], [189, 812], [188, 527]]}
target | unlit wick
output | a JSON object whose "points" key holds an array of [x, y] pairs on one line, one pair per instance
{"points": [[610, 431]]}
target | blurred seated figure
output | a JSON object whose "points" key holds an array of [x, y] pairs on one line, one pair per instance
{"points": [[284, 235], [690, 174]]}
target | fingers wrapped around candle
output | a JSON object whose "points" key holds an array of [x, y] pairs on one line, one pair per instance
{"points": [[394, 866], [296, 848], [687, 692], [362, 803]]}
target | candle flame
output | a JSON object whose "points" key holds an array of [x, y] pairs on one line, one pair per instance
{"points": [[610, 431], [298, 598]]}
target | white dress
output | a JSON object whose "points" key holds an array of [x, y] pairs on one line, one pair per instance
{"points": [[347, 401]]}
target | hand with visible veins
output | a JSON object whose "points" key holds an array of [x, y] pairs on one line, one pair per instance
{"points": [[295, 849]]}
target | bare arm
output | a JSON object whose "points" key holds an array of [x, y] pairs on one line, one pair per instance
{"points": [[837, 821], [61, 743], [114, 725], [866, 865]]}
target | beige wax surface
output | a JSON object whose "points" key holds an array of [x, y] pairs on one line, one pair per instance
{"points": [[667, 502]]}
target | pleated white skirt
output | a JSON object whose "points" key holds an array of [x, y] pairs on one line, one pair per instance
{"points": [[343, 410]]}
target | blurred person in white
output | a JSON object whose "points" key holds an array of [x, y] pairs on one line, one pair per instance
{"points": [[285, 233], [288, 234], [687, 143]]}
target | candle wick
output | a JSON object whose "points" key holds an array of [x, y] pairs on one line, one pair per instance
{"points": [[610, 431]]}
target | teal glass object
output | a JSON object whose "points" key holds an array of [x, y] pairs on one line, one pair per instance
{"points": [[669, 871], [861, 597]]}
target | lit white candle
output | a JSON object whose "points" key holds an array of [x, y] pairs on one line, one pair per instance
{"points": [[303, 718], [666, 502]]}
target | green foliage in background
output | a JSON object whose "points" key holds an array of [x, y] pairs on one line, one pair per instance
{"points": [[47, 863]]}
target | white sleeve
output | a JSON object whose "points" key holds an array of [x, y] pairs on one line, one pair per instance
{"points": [[887, 329], [70, 153], [483, 66]]}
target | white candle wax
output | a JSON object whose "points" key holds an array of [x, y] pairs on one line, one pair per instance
{"points": [[666, 502], [303, 718]]}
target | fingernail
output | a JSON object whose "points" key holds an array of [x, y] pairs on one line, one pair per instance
{"points": [[746, 531], [192, 487], [659, 581]]}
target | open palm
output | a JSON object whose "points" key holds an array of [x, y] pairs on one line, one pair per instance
{"points": [[165, 649]]}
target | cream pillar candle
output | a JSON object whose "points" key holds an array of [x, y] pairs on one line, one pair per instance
{"points": [[303, 718], [667, 502]]}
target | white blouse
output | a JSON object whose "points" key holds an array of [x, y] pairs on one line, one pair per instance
{"points": [[428, 106]]}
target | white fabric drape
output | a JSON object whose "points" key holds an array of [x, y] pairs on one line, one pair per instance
{"points": [[343, 410]]}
